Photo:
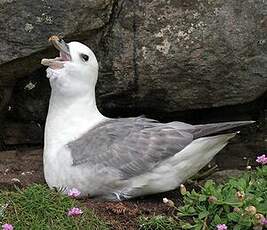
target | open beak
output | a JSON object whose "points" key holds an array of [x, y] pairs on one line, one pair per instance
{"points": [[64, 54]]}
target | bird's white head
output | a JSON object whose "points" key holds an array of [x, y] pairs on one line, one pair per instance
{"points": [[74, 72]]}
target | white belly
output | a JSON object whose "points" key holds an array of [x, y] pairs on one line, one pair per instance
{"points": [[61, 174]]}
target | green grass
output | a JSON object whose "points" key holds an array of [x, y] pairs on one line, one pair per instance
{"points": [[158, 222], [38, 207], [240, 203]]}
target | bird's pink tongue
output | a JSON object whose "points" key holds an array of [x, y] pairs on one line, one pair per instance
{"points": [[56, 63], [64, 54], [64, 57]]}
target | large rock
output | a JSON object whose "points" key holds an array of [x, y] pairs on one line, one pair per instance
{"points": [[26, 25], [176, 55], [157, 57]]}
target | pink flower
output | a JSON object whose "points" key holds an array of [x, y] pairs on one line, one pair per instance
{"points": [[74, 192], [262, 159], [221, 227], [264, 221], [74, 212], [7, 227]]}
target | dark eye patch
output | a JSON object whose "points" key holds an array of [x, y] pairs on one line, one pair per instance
{"points": [[85, 57]]}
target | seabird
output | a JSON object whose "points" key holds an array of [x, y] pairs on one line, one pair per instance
{"points": [[115, 159]]}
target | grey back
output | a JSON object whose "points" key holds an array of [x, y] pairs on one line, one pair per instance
{"points": [[131, 145]]}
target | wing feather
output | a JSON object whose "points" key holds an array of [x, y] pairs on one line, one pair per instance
{"points": [[131, 145]]}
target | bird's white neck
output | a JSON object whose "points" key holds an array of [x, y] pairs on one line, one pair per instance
{"points": [[69, 118]]}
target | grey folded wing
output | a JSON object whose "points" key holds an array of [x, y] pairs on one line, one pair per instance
{"points": [[131, 145]]}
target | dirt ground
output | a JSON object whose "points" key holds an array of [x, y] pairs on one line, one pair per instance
{"points": [[21, 167], [24, 167], [125, 215]]}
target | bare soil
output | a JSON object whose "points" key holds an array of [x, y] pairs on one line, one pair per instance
{"points": [[125, 215], [21, 168]]}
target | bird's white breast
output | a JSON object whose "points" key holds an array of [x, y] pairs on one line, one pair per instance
{"points": [[65, 123]]}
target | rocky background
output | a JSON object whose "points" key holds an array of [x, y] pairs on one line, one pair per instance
{"points": [[196, 60]]}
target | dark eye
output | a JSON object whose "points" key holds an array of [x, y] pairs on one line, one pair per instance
{"points": [[85, 57]]}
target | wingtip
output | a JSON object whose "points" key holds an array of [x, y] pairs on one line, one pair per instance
{"points": [[248, 122], [241, 123]]}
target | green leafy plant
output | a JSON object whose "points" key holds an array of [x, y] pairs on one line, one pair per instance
{"points": [[239, 204]]}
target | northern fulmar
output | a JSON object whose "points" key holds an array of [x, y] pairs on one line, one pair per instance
{"points": [[120, 158]]}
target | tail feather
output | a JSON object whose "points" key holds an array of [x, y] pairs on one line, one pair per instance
{"points": [[196, 155], [207, 129]]}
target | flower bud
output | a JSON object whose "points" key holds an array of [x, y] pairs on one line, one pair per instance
{"points": [[240, 195], [168, 202], [182, 189], [236, 209], [165, 200], [259, 217], [251, 210], [212, 199]]}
